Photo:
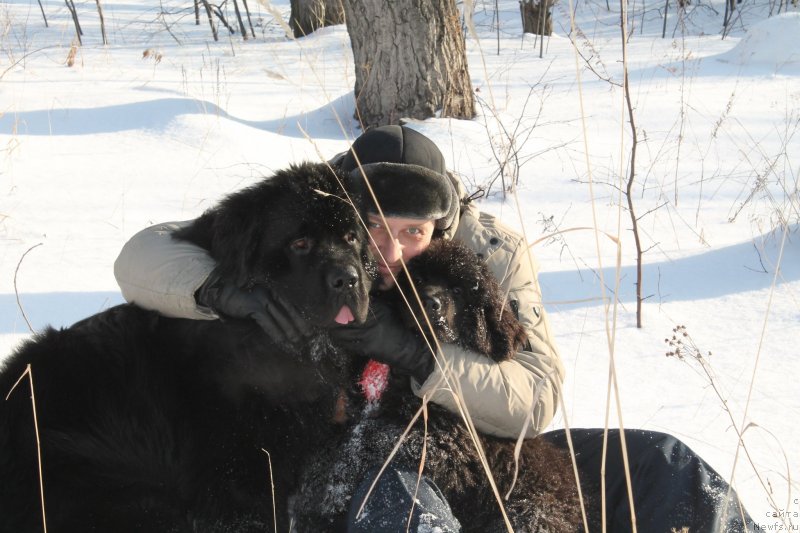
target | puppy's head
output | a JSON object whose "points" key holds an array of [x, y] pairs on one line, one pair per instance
{"points": [[296, 234], [462, 301]]}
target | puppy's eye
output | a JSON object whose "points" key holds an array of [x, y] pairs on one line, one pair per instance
{"points": [[351, 237], [302, 245], [456, 290]]}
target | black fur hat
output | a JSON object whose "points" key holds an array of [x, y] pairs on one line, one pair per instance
{"points": [[406, 172]]}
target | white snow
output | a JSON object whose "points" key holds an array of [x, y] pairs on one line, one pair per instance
{"points": [[773, 42], [93, 153]]}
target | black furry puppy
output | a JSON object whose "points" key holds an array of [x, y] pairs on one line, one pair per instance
{"points": [[154, 424], [461, 299], [464, 305]]}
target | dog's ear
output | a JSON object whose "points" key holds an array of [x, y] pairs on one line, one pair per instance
{"points": [[232, 230], [474, 331], [238, 229], [505, 336], [198, 232]]}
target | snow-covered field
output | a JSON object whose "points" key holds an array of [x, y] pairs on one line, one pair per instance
{"points": [[93, 152]]}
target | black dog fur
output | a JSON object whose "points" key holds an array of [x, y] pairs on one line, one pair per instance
{"points": [[463, 303], [154, 424]]}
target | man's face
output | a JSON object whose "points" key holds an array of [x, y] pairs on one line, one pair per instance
{"points": [[399, 238]]}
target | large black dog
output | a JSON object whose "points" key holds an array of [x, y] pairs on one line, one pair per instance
{"points": [[464, 305], [153, 424]]}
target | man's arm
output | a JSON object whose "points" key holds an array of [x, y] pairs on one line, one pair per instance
{"points": [[177, 278], [163, 274]]}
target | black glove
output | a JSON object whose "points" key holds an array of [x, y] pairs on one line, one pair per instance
{"points": [[384, 338], [279, 319]]}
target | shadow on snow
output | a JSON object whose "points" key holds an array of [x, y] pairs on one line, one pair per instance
{"points": [[712, 274], [157, 115], [715, 273]]}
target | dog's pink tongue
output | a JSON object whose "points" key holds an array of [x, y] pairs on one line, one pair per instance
{"points": [[345, 315]]}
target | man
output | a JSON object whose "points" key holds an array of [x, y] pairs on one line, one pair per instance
{"points": [[159, 273], [418, 200]]}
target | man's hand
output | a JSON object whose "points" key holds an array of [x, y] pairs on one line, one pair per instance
{"points": [[279, 319], [384, 338]]}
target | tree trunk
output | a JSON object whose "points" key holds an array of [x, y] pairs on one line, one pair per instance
{"points": [[236, 10], [74, 13], [102, 21], [410, 60], [536, 16], [211, 20], [310, 15]]}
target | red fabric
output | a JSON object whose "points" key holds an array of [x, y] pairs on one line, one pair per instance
{"points": [[374, 380]]}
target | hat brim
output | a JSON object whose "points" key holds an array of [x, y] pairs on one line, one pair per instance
{"points": [[408, 191]]}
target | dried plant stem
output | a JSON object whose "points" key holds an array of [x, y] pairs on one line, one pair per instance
{"points": [[632, 169], [573, 460], [758, 355], [683, 347], [29, 373], [610, 322], [612, 377], [272, 491], [420, 467], [632, 212], [16, 292]]}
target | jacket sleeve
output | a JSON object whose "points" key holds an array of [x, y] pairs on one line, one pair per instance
{"points": [[157, 272], [507, 398]]}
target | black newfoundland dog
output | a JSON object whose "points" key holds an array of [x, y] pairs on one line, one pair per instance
{"points": [[464, 305], [154, 424]]}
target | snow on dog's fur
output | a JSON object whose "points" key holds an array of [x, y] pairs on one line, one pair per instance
{"points": [[465, 306]]}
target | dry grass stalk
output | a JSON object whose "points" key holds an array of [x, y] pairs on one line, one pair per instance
{"points": [[72, 54], [682, 347], [16, 292], [154, 54], [29, 373], [272, 491]]}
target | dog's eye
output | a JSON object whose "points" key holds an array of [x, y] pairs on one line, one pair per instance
{"points": [[456, 290], [302, 245], [351, 237]]}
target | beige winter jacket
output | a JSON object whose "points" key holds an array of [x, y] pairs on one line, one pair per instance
{"points": [[159, 273], [522, 394]]}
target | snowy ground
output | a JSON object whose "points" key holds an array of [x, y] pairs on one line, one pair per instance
{"points": [[94, 152]]}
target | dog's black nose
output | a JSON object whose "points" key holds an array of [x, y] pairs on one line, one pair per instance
{"points": [[432, 304], [342, 278]]}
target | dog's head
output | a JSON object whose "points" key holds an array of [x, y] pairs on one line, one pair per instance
{"points": [[462, 300], [297, 234]]}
